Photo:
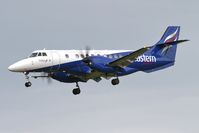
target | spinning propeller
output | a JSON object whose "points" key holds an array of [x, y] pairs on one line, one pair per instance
{"points": [[45, 76], [85, 55]]}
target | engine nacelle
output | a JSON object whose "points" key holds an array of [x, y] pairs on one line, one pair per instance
{"points": [[103, 68], [100, 64]]}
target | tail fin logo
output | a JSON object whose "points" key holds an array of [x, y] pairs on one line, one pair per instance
{"points": [[166, 49], [172, 37]]}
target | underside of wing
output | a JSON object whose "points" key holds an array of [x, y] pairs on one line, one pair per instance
{"points": [[95, 75]]}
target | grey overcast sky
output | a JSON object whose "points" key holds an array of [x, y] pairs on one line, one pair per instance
{"points": [[162, 102]]}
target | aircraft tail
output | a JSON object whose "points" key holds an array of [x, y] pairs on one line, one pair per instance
{"points": [[166, 47], [164, 50]]}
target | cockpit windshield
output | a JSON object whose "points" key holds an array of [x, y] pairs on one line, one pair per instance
{"points": [[37, 54], [33, 55]]}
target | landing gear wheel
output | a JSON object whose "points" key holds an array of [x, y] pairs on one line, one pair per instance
{"points": [[28, 84], [76, 91], [115, 81]]}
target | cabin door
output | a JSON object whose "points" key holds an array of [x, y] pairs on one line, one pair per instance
{"points": [[55, 61]]}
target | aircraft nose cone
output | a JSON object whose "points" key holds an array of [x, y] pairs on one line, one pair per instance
{"points": [[20, 66], [11, 68]]}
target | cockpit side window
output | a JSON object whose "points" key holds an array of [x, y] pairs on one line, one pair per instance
{"points": [[44, 54], [33, 55], [39, 54]]}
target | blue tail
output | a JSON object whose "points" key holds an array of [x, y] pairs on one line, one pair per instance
{"points": [[166, 47]]}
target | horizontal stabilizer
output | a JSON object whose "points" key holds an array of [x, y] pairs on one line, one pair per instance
{"points": [[172, 43]]}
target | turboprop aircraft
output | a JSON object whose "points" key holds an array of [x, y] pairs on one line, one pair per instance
{"points": [[74, 66]]}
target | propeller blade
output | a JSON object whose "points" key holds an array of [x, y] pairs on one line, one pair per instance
{"points": [[47, 77], [85, 55], [49, 80], [87, 51]]}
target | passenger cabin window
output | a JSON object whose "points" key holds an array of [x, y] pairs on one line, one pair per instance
{"points": [[82, 55], [66, 55], [76, 55]]}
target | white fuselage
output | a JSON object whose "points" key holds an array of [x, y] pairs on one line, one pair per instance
{"points": [[56, 57]]}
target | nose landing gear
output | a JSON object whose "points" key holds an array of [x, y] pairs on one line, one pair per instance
{"points": [[77, 90], [28, 83]]}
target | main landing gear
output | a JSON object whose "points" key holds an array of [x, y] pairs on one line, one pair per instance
{"points": [[77, 90], [115, 81], [28, 83]]}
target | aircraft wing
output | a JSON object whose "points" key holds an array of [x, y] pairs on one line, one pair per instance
{"points": [[121, 62], [128, 59]]}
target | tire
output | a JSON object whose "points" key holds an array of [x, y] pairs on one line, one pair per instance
{"points": [[28, 84], [76, 91], [115, 81]]}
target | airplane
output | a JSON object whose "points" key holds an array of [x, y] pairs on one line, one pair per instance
{"points": [[74, 66]]}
